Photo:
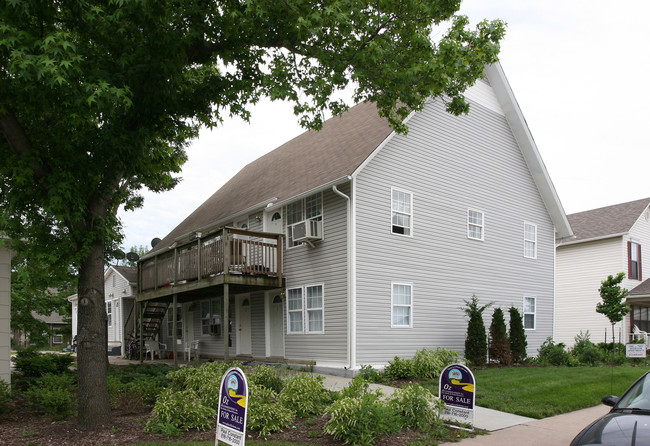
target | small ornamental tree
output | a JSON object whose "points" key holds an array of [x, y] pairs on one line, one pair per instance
{"points": [[499, 347], [612, 305], [476, 341], [517, 338]]}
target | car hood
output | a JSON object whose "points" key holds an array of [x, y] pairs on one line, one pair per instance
{"points": [[616, 429]]}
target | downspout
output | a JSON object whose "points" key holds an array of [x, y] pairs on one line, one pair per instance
{"points": [[352, 308]]}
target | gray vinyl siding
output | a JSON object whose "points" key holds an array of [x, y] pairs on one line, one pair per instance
{"points": [[449, 164], [325, 263]]}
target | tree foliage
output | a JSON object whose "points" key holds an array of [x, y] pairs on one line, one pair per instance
{"points": [[499, 347], [517, 336], [98, 100], [476, 348], [612, 304]]}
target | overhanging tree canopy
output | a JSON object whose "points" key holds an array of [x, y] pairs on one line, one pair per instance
{"points": [[98, 100]]}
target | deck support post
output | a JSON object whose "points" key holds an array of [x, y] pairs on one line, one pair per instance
{"points": [[175, 331], [226, 321]]}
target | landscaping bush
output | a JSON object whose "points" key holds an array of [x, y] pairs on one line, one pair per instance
{"points": [[517, 336], [370, 374], [416, 406], [476, 341], [428, 364], [5, 397], [361, 421], [399, 368], [266, 376], [53, 395], [305, 394], [499, 346], [32, 364], [184, 410], [553, 354], [358, 387], [585, 351], [265, 413], [204, 381]]}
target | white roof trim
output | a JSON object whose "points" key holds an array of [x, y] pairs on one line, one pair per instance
{"points": [[593, 239], [515, 118]]}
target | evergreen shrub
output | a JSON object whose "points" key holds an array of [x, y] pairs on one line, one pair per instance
{"points": [[517, 336], [499, 346], [476, 340]]}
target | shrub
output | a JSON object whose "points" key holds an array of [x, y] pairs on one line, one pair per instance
{"points": [[266, 376], [265, 413], [182, 409], [33, 364], [204, 381], [357, 388], [499, 346], [551, 353], [428, 364], [370, 374], [5, 397], [399, 368], [517, 336], [585, 351], [476, 341], [305, 394], [417, 406], [53, 395], [361, 421]]}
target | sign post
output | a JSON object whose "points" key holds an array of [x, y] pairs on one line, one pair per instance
{"points": [[457, 388], [231, 417]]}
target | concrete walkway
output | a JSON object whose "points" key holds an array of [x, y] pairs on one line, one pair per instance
{"points": [[557, 430]]}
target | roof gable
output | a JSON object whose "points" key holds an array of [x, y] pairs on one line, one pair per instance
{"points": [[607, 221], [340, 149], [129, 273]]}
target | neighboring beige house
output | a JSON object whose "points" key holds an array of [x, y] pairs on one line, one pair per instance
{"points": [[5, 314], [54, 322], [608, 240]]}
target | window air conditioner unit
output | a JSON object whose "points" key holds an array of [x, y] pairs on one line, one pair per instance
{"points": [[307, 230]]}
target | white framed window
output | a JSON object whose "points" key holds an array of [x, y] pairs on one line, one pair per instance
{"points": [[109, 313], [211, 317], [530, 312], [179, 322], [401, 304], [305, 309], [310, 208], [530, 240], [401, 212], [294, 310], [475, 224]]}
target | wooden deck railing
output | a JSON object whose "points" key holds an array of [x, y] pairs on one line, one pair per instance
{"points": [[230, 250]]}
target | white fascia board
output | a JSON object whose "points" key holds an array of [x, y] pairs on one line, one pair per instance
{"points": [[593, 239], [515, 118]]}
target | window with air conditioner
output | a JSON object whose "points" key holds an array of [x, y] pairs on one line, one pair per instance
{"points": [[305, 220]]}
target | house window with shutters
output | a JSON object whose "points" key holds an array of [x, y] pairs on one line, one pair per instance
{"points": [[634, 261]]}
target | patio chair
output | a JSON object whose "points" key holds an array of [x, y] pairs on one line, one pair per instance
{"points": [[192, 347], [639, 334], [154, 347]]}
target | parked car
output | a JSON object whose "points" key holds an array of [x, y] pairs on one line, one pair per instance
{"points": [[628, 423]]}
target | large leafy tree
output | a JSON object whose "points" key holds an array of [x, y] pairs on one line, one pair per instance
{"points": [[98, 100]]}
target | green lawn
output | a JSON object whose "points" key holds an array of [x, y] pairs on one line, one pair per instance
{"points": [[540, 392]]}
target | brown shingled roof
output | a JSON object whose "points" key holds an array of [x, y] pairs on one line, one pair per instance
{"points": [[606, 221], [642, 290], [130, 273], [305, 163]]}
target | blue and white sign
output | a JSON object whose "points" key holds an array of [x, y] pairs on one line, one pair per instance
{"points": [[233, 399]]}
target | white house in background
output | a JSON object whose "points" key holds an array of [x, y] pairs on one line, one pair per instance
{"points": [[5, 314], [119, 296], [356, 244], [607, 241]]}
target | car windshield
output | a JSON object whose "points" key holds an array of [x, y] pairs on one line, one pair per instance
{"points": [[637, 396]]}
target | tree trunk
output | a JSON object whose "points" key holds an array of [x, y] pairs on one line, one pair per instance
{"points": [[93, 403]]}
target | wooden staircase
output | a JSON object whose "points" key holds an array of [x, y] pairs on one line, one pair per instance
{"points": [[152, 316]]}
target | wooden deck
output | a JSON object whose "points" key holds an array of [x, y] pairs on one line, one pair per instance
{"points": [[246, 260]]}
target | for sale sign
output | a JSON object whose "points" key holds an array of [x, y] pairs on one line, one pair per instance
{"points": [[456, 388], [231, 418]]}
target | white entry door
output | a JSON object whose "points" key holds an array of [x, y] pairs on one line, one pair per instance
{"points": [[276, 327], [244, 346]]}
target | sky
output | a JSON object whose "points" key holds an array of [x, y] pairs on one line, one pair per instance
{"points": [[578, 68]]}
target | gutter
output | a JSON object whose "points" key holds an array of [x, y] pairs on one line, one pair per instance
{"points": [[593, 239], [351, 273]]}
